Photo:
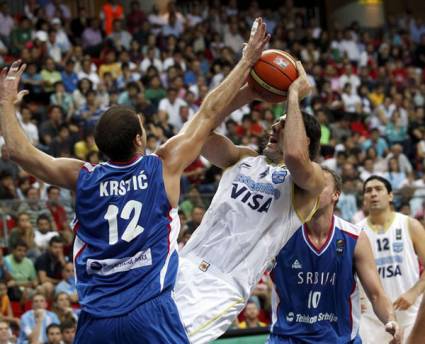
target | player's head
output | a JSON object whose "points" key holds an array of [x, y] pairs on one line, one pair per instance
{"points": [[377, 193], [274, 148], [332, 190], [120, 134]]}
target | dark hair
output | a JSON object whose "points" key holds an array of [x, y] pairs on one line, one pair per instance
{"points": [[52, 187], [336, 177], [52, 326], [115, 132], [313, 131], [55, 240], [384, 181], [20, 243], [67, 324], [43, 217]]}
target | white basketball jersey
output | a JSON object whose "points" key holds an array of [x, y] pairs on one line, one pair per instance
{"points": [[249, 220], [396, 260]]}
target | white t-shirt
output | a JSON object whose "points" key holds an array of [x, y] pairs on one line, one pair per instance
{"points": [[42, 240], [173, 111]]}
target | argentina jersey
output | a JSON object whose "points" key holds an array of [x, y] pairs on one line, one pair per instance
{"points": [[315, 296], [126, 236]]}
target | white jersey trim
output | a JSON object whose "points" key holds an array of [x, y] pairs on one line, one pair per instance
{"points": [[123, 166], [174, 229], [323, 249]]}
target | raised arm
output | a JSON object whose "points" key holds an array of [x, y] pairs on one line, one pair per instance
{"points": [[57, 171], [368, 275], [178, 152], [307, 174]]}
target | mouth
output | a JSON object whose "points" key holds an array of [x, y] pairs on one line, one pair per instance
{"points": [[273, 139]]}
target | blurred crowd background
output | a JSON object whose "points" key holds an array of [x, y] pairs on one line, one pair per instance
{"points": [[369, 97]]}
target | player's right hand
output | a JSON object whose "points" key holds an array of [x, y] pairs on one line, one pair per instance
{"points": [[301, 85], [9, 81], [393, 328], [257, 42]]}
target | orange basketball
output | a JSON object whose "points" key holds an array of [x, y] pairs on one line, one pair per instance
{"points": [[272, 75]]}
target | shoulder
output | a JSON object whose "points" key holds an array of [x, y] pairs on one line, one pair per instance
{"points": [[347, 227]]}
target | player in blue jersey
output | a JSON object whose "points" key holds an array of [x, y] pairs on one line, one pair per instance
{"points": [[316, 296], [126, 218]]}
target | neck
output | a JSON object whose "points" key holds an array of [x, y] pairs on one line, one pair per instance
{"points": [[380, 217], [320, 224], [251, 322]]}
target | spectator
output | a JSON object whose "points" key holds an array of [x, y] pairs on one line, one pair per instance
{"points": [[69, 77], [67, 284], [44, 232], [62, 308], [6, 336], [57, 9], [6, 22], [54, 335], [111, 11], [50, 264], [61, 36], [135, 17], [6, 312], [110, 65], [8, 166], [195, 218], [49, 75], [24, 277], [120, 38], [23, 231], [397, 178], [34, 323], [63, 99], [377, 142], [33, 206], [57, 210], [68, 329], [7, 187], [28, 126], [171, 105], [251, 313]]}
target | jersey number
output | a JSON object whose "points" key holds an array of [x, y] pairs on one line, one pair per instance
{"points": [[383, 245], [313, 299], [133, 229]]}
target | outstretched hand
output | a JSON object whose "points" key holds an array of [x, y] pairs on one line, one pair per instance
{"points": [[257, 42], [9, 82], [301, 85]]}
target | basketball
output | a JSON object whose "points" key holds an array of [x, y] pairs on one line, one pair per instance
{"points": [[272, 75]]}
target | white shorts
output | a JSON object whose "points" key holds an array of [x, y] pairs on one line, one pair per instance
{"points": [[372, 331], [207, 300]]}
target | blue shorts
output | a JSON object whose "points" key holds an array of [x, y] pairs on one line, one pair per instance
{"points": [[277, 339], [154, 322]]}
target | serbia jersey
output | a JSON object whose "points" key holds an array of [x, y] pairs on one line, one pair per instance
{"points": [[126, 236], [315, 297]]}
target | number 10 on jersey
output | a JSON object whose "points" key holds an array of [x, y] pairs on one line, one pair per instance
{"points": [[313, 299]]}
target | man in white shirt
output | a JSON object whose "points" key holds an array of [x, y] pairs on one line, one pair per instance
{"points": [[150, 60], [349, 77], [350, 47], [171, 105], [30, 128], [43, 233]]}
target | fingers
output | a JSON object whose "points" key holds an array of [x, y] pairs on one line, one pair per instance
{"points": [[21, 70], [300, 69]]}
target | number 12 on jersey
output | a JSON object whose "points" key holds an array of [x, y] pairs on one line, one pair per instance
{"points": [[131, 209]]}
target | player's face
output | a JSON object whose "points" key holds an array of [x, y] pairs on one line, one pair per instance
{"points": [[274, 145], [376, 196], [329, 195]]}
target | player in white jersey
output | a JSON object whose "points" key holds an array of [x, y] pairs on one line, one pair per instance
{"points": [[397, 242], [418, 332], [261, 200]]}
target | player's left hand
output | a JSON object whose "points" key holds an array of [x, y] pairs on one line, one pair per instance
{"points": [[405, 300], [393, 328]]}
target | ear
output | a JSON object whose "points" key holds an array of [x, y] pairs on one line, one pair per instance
{"points": [[391, 196], [335, 196], [138, 140]]}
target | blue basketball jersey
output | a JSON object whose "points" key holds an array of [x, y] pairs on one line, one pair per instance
{"points": [[126, 236], [316, 298]]}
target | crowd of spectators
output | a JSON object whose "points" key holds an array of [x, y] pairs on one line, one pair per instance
{"points": [[369, 97]]}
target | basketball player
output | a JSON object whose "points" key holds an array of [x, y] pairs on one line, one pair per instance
{"points": [[316, 297], [397, 242], [126, 209], [418, 332], [260, 202]]}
